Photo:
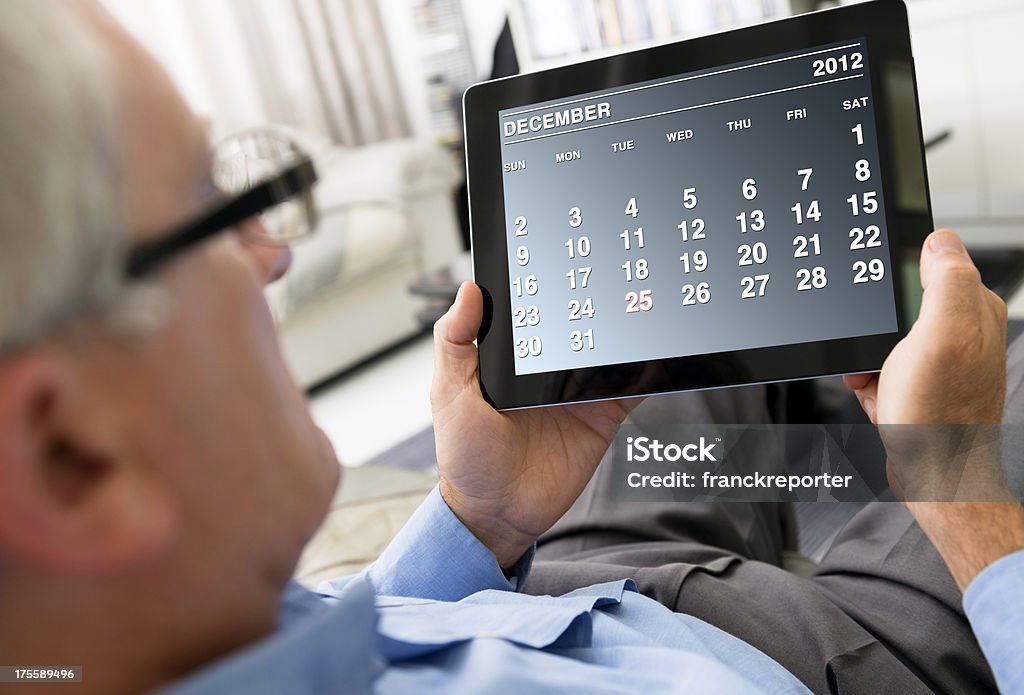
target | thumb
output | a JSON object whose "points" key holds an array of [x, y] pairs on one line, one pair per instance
{"points": [[951, 282], [455, 354]]}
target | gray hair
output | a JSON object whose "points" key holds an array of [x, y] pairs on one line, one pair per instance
{"points": [[62, 181]]}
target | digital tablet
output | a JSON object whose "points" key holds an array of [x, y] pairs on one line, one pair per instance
{"points": [[732, 209]]}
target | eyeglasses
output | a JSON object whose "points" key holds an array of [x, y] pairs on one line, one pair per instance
{"points": [[243, 171]]}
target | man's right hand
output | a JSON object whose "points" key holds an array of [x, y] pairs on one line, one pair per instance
{"points": [[949, 370], [951, 367]]}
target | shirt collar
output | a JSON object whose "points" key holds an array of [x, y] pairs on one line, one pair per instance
{"points": [[336, 645]]}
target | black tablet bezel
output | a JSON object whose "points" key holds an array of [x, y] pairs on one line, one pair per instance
{"points": [[908, 211]]}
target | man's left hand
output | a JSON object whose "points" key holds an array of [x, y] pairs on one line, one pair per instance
{"points": [[508, 476]]}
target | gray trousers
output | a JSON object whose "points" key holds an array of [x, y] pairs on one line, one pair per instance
{"points": [[881, 615]]}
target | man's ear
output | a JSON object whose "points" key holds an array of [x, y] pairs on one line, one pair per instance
{"points": [[70, 498]]}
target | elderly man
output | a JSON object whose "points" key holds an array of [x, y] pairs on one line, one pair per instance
{"points": [[160, 473]]}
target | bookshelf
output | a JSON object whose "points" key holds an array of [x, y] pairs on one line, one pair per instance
{"points": [[446, 63]]}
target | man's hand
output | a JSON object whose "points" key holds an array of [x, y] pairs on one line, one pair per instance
{"points": [[507, 476], [951, 367], [949, 370]]}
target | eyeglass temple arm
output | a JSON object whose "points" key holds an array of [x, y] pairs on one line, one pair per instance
{"points": [[293, 181]]}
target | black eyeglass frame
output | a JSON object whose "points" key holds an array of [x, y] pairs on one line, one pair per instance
{"points": [[295, 180]]}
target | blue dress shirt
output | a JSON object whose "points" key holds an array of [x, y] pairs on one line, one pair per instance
{"points": [[994, 603], [436, 614]]}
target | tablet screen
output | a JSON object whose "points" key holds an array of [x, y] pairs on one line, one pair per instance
{"points": [[721, 210]]}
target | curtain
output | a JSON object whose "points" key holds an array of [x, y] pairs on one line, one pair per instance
{"points": [[323, 66]]}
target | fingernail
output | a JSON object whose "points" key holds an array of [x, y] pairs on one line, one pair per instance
{"points": [[946, 241], [458, 295], [869, 406]]}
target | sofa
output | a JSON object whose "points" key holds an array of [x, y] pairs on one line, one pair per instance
{"points": [[386, 218]]}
